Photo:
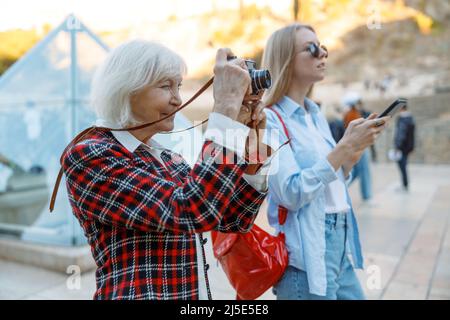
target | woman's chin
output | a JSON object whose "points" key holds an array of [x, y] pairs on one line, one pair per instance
{"points": [[320, 76], [169, 126]]}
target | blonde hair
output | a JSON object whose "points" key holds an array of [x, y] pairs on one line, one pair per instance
{"points": [[127, 69], [278, 58]]}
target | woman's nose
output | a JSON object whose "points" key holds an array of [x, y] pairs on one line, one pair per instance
{"points": [[176, 98], [323, 53]]}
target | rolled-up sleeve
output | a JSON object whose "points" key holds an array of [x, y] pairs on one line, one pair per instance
{"points": [[233, 135], [250, 194], [226, 132]]}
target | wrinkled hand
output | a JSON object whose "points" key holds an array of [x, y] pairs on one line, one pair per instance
{"points": [[231, 83], [251, 113], [253, 116]]}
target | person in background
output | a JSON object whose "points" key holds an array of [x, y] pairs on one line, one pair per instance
{"points": [[404, 141], [362, 169], [351, 101], [335, 122], [365, 113]]}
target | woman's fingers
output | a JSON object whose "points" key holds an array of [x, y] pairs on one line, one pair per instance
{"points": [[385, 119], [258, 112], [355, 123], [222, 55], [377, 121], [244, 115], [372, 116], [241, 63], [231, 82], [254, 97]]}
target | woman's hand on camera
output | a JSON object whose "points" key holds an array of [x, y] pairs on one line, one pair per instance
{"points": [[251, 113], [253, 116], [256, 150], [231, 83]]}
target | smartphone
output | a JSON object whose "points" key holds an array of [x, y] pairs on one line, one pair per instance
{"points": [[394, 108]]}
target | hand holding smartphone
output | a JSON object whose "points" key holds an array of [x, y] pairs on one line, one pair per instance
{"points": [[392, 109]]}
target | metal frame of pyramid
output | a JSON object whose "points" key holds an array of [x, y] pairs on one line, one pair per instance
{"points": [[60, 228], [73, 26], [40, 226]]}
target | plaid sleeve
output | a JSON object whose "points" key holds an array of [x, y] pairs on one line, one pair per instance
{"points": [[245, 204], [105, 184]]}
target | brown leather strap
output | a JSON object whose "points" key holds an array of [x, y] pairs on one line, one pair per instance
{"points": [[85, 132], [145, 125], [55, 189], [75, 140]]}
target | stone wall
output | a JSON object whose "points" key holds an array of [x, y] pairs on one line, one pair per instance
{"points": [[432, 115]]}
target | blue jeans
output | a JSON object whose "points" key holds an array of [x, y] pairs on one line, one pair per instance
{"points": [[402, 163], [361, 170], [342, 282]]}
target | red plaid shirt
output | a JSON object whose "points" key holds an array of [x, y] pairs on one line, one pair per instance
{"points": [[141, 218]]}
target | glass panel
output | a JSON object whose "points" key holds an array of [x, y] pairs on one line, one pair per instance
{"points": [[37, 119], [42, 106]]}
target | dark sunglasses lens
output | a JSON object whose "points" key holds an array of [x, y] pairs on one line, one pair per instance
{"points": [[313, 49]]}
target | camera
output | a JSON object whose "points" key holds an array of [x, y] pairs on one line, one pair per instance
{"points": [[261, 79]]}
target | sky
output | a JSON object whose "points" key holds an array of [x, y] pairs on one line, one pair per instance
{"points": [[105, 14]]}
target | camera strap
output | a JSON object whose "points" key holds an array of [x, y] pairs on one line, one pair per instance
{"points": [[89, 130]]}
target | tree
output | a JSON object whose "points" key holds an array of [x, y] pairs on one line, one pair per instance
{"points": [[296, 8]]}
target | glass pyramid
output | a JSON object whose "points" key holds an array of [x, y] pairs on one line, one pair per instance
{"points": [[43, 105]]}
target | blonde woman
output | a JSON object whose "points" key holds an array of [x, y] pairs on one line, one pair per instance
{"points": [[310, 182]]}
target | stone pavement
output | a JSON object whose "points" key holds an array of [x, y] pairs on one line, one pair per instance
{"points": [[405, 238]]}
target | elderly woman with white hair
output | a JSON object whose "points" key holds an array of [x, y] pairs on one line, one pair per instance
{"points": [[142, 208]]}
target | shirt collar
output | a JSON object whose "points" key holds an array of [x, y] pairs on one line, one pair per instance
{"points": [[404, 114], [289, 106], [125, 138]]}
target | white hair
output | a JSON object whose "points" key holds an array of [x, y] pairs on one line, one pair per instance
{"points": [[127, 69]]}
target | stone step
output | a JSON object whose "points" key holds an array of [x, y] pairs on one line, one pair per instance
{"points": [[52, 257]]}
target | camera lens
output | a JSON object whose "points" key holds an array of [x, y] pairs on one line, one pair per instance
{"points": [[261, 79]]}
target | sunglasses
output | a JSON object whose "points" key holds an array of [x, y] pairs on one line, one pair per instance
{"points": [[314, 50]]}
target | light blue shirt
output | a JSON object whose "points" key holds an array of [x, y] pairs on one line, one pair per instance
{"points": [[297, 181]]}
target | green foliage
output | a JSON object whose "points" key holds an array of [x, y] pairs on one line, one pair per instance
{"points": [[240, 26], [14, 44]]}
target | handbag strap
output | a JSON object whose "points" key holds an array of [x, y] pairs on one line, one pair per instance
{"points": [[282, 211], [286, 132]]}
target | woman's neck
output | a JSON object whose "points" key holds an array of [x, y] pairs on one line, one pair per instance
{"points": [[143, 135], [297, 92]]}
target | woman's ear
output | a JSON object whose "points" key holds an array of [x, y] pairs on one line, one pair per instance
{"points": [[133, 97]]}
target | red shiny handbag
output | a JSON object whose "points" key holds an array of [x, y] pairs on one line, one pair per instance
{"points": [[253, 261]]}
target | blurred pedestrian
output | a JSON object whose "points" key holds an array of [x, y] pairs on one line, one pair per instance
{"points": [[335, 122], [404, 140], [366, 113], [362, 169]]}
